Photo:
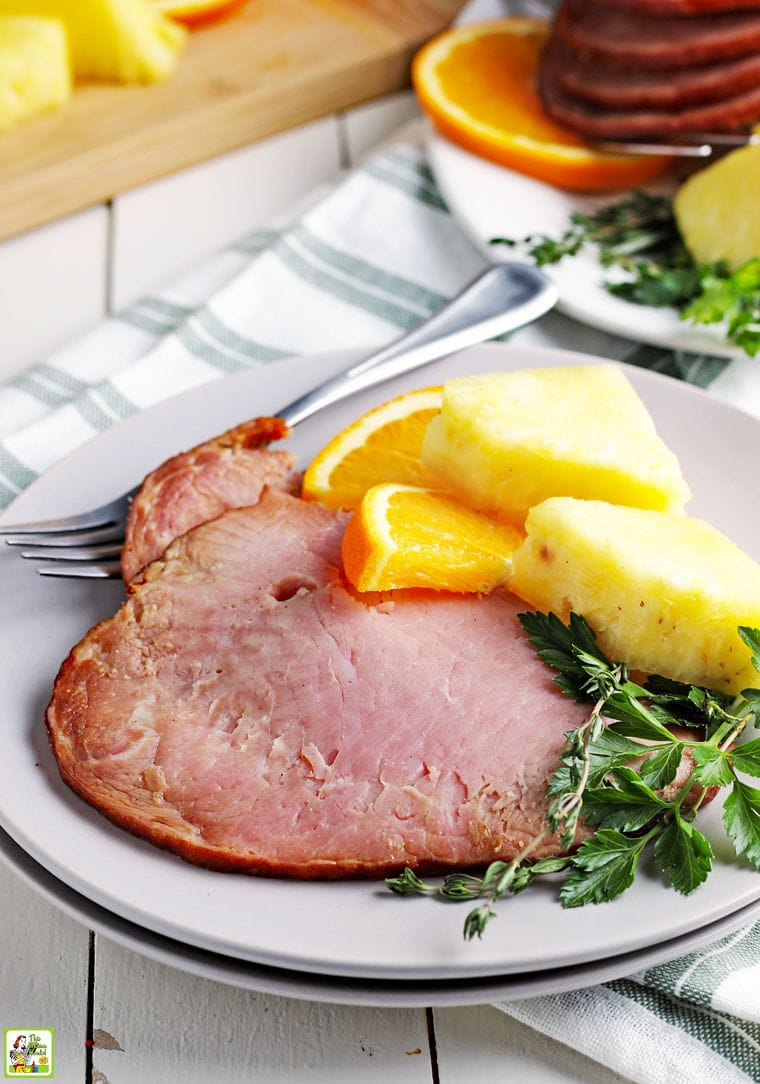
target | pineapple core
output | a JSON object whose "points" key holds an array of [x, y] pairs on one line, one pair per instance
{"points": [[664, 594], [506, 441], [34, 68], [127, 41]]}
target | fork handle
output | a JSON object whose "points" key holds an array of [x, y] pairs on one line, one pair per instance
{"points": [[503, 298]]}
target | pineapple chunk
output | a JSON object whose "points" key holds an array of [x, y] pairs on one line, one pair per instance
{"points": [[128, 41], [34, 68], [664, 594], [506, 441], [717, 210]]}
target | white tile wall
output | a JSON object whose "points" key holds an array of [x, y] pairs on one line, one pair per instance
{"points": [[52, 287], [58, 281], [369, 125], [163, 228]]}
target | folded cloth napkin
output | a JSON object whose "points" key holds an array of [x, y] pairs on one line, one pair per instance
{"points": [[371, 258]]}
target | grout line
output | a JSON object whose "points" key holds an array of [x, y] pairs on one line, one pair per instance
{"points": [[90, 1020], [110, 254], [433, 1046], [344, 146]]}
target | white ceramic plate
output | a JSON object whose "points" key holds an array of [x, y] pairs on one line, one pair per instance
{"points": [[312, 987], [489, 201], [352, 929]]}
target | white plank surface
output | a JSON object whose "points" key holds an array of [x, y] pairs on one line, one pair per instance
{"points": [[161, 230], [52, 287], [43, 973], [156, 1024], [483, 1044]]}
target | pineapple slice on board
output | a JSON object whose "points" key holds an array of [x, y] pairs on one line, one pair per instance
{"points": [[34, 68], [127, 41], [664, 594], [506, 441]]}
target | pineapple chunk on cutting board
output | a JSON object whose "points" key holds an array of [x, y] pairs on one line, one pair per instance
{"points": [[34, 68], [506, 441], [664, 594], [126, 41]]}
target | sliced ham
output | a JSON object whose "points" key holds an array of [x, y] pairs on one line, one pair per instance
{"points": [[635, 38], [229, 471], [597, 123], [614, 87], [247, 711]]}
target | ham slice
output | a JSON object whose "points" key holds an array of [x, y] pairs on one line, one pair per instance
{"points": [[229, 471], [245, 710]]}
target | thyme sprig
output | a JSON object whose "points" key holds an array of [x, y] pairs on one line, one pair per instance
{"points": [[639, 236], [616, 773]]}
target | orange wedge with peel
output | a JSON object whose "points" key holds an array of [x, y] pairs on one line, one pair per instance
{"points": [[196, 12], [404, 536], [477, 84], [383, 445]]}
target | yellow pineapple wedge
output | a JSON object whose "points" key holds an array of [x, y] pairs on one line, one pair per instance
{"points": [[506, 441], [127, 41], [35, 76], [664, 594]]}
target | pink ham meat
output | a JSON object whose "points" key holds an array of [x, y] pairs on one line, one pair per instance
{"points": [[248, 712], [229, 471]]}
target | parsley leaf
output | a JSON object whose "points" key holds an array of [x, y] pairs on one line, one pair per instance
{"points": [[683, 854], [603, 867], [741, 817]]}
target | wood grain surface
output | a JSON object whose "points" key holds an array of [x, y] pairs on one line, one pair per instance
{"points": [[273, 65]]}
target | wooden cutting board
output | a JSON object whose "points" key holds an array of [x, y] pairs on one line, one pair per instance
{"points": [[272, 65]]}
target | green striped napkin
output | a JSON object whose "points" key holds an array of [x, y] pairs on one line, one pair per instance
{"points": [[367, 261]]}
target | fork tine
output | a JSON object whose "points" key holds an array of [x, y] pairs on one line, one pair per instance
{"points": [[71, 553], [107, 570], [113, 534], [113, 513]]}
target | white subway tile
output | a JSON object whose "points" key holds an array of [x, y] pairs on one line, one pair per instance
{"points": [[162, 229], [52, 287], [373, 124]]}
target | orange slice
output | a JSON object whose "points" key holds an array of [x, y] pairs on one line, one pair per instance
{"points": [[383, 445], [477, 85], [409, 536], [196, 12]]}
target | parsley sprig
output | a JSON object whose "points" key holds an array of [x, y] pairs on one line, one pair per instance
{"points": [[617, 774], [639, 236]]}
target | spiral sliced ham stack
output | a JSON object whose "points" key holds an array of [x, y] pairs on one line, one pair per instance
{"points": [[649, 69]]}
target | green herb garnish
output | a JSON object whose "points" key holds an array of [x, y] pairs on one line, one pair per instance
{"points": [[639, 236], [603, 779]]}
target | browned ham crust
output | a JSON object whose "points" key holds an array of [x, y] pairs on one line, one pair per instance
{"points": [[229, 471]]}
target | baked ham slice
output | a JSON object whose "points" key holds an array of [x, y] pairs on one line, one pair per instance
{"points": [[613, 86], [245, 710], [636, 38], [595, 122], [229, 471]]}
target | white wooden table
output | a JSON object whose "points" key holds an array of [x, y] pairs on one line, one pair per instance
{"points": [[120, 1017]]}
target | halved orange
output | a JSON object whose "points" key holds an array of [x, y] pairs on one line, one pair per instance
{"points": [[196, 12], [477, 84], [409, 536], [383, 445]]}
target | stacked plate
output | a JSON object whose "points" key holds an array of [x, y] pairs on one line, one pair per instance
{"points": [[353, 941]]}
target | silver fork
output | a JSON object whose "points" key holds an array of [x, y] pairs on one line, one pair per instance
{"points": [[505, 297]]}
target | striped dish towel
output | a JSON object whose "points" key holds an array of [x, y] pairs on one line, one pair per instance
{"points": [[363, 264]]}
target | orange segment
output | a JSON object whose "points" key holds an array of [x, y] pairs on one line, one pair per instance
{"points": [[409, 536], [383, 445], [196, 12], [477, 85]]}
